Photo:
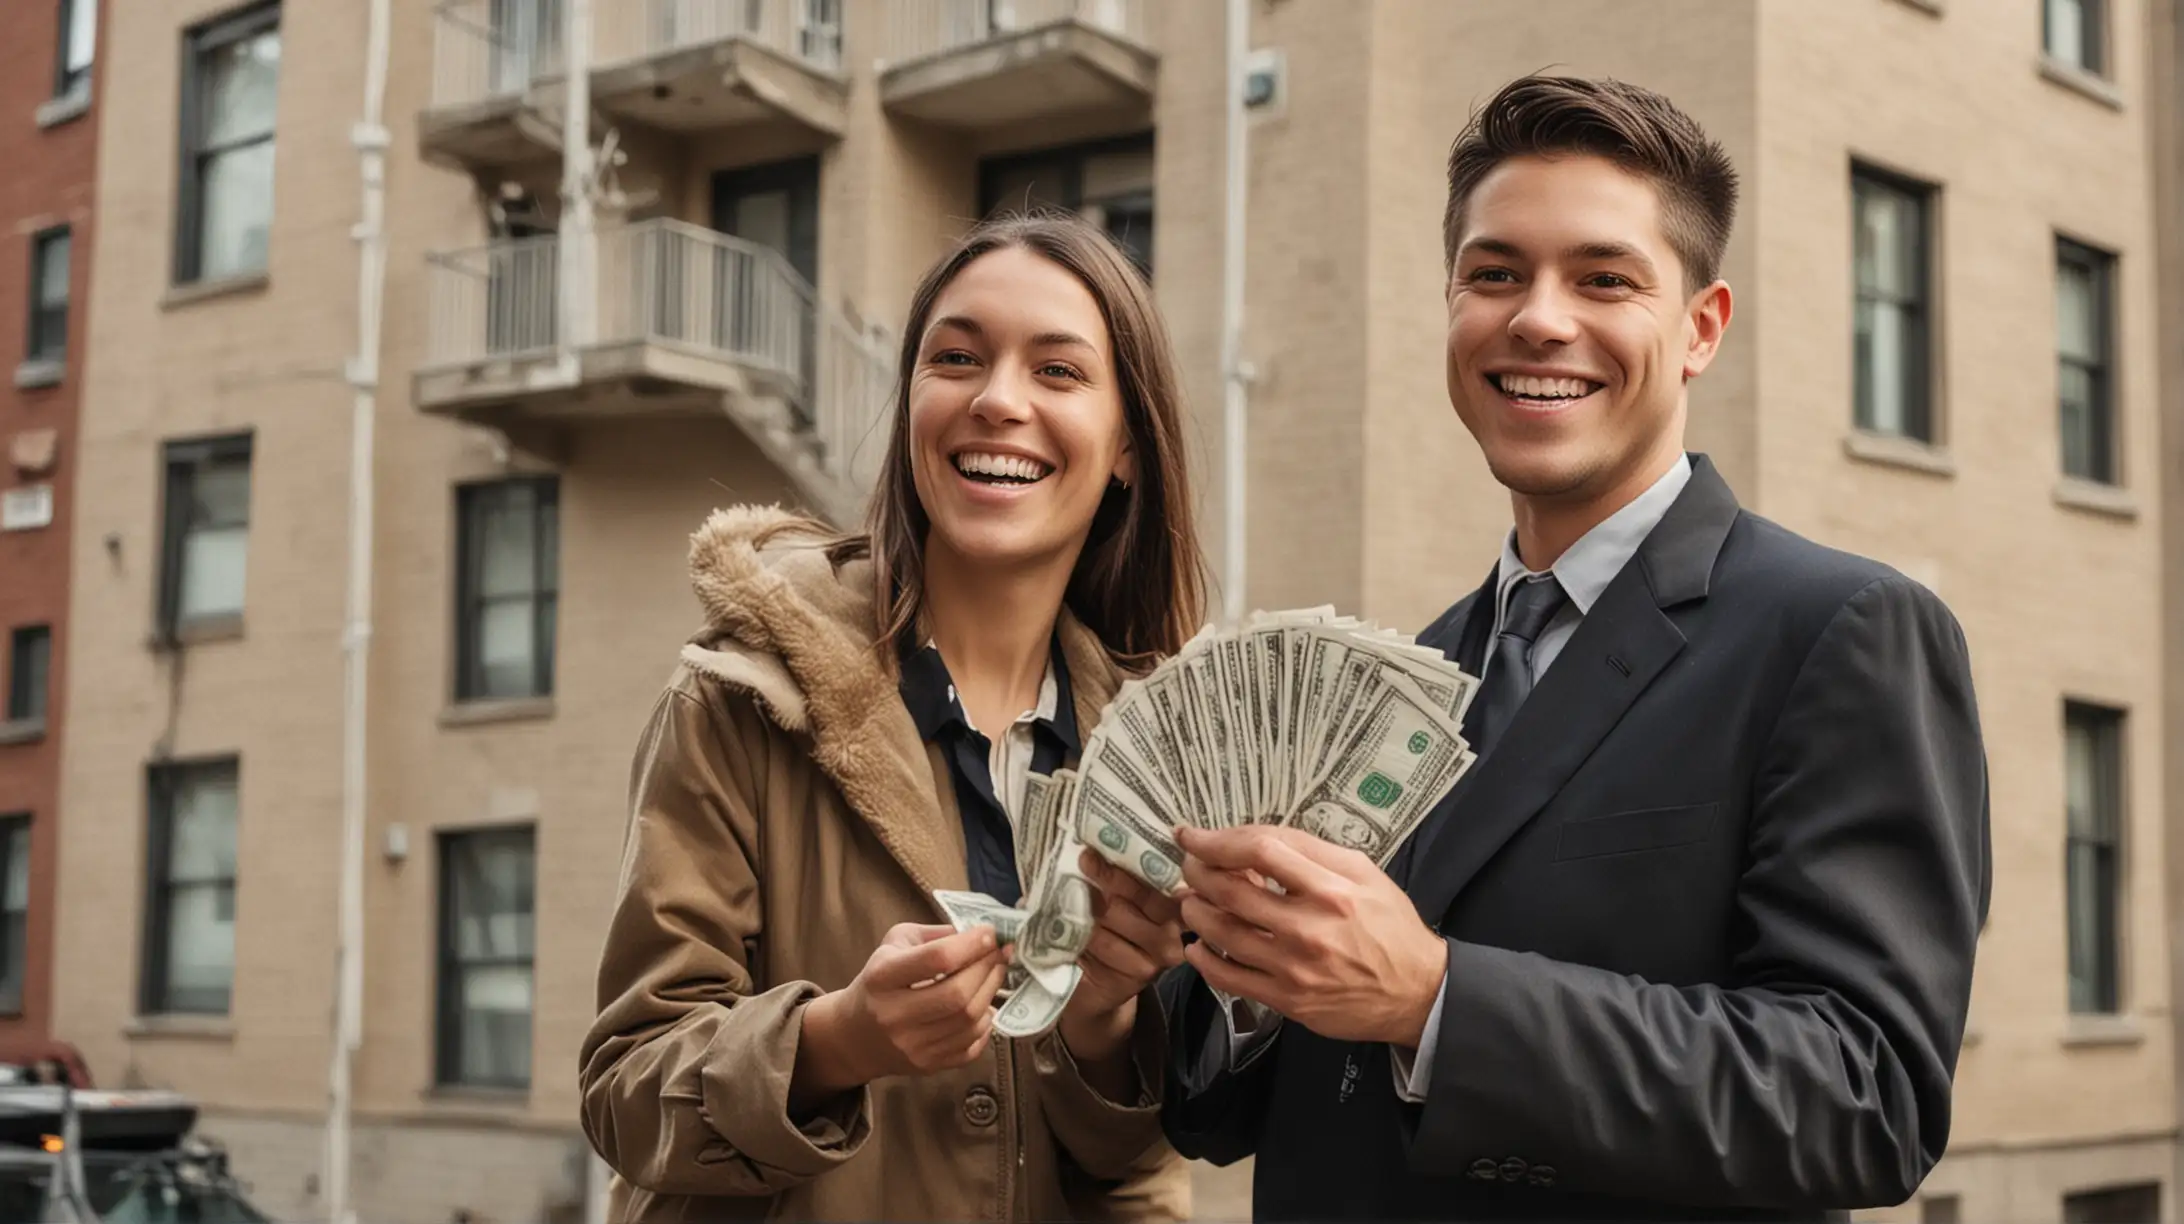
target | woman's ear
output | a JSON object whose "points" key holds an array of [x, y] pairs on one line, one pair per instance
{"points": [[1126, 464]]}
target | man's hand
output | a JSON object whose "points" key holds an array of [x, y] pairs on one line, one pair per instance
{"points": [[1340, 950], [1138, 936]]}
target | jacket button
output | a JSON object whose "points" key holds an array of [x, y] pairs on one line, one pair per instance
{"points": [[1512, 1169], [1543, 1175], [1484, 1169], [979, 1107]]}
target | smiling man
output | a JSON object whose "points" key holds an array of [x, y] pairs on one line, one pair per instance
{"points": [[1694, 937]]}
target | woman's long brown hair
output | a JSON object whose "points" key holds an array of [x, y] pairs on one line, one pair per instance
{"points": [[1139, 584]]}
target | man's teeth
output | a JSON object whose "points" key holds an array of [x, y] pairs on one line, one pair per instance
{"points": [[1001, 467], [1527, 386]]}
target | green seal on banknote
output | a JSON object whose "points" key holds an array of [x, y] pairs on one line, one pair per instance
{"points": [[1159, 871], [1419, 742], [1379, 790], [1112, 837]]}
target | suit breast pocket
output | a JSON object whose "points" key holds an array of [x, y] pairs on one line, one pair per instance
{"points": [[1632, 832]]}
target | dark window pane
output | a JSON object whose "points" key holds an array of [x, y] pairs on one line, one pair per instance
{"points": [[1109, 184], [2093, 792], [486, 949], [49, 296], [190, 956], [30, 662], [1890, 333], [228, 131], [2084, 280], [2139, 1204], [14, 909], [2074, 33], [509, 564]]}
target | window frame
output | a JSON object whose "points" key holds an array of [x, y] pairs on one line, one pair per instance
{"points": [[10, 824], [545, 597], [1922, 423], [197, 44], [2107, 843], [71, 82], [448, 964], [19, 639], [2096, 17], [2107, 453], [182, 460], [162, 785], [35, 341], [1070, 159]]}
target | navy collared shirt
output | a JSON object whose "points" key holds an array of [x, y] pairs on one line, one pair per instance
{"points": [[989, 840]]}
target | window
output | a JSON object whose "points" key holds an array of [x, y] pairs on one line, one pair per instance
{"points": [[1110, 184], [189, 936], [30, 661], [2139, 1204], [1938, 1209], [14, 909], [206, 545], [819, 32], [1894, 319], [486, 883], [48, 296], [227, 112], [2075, 32], [509, 570], [2093, 765], [2085, 345], [79, 30]]}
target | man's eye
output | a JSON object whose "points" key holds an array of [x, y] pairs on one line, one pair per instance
{"points": [[1607, 280], [1493, 276]]}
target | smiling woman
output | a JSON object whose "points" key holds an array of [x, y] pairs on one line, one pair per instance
{"points": [[856, 727]]}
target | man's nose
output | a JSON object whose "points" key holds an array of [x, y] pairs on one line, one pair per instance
{"points": [[1545, 318]]}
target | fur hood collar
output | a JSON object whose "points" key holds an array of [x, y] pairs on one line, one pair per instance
{"points": [[789, 629]]}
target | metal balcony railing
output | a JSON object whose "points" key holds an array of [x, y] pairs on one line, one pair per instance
{"points": [[485, 49], [670, 283], [918, 28]]}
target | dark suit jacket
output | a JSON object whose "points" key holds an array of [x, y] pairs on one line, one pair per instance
{"points": [[1711, 905]]}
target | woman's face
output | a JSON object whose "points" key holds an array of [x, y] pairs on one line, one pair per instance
{"points": [[1016, 421]]}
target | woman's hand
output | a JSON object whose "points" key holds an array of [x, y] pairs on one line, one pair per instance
{"points": [[1139, 936], [922, 1003]]}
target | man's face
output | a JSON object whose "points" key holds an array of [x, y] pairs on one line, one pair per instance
{"points": [[1570, 331]]}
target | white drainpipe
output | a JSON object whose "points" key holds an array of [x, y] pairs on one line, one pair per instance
{"points": [[1235, 372]]}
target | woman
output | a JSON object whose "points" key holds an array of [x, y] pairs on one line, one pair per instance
{"points": [[787, 1027]]}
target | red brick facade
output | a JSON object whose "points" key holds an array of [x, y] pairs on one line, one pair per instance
{"points": [[48, 162]]}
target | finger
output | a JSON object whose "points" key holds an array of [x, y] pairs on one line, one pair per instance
{"points": [[1341, 860], [1149, 936], [1120, 885], [914, 934], [1234, 892], [935, 959], [1270, 850], [1237, 940], [1240, 980], [1120, 957]]}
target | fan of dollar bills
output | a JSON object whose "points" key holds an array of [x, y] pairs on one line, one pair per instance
{"points": [[1306, 719]]}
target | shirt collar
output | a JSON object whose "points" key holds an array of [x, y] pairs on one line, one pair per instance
{"points": [[1587, 567], [929, 691]]}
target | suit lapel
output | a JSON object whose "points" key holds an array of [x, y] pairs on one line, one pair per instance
{"points": [[1624, 642]]}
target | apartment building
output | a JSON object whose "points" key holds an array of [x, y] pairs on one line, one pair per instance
{"points": [[1945, 355], [48, 138]]}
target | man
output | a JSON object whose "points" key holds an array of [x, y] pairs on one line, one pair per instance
{"points": [[1693, 939]]}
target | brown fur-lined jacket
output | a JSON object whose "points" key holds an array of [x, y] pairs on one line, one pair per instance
{"points": [[785, 814]]}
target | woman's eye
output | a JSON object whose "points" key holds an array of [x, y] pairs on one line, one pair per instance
{"points": [[951, 357], [1055, 369]]}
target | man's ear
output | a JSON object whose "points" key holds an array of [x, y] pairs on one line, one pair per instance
{"points": [[1708, 318]]}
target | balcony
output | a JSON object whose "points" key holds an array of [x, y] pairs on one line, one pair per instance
{"points": [[675, 66], [988, 66], [685, 322]]}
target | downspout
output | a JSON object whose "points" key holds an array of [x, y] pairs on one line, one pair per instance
{"points": [[369, 137], [1235, 373]]}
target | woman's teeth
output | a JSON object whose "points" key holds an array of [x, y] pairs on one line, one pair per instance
{"points": [[1001, 469], [1532, 387]]}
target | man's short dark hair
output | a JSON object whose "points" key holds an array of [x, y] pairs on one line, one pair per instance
{"points": [[1635, 128]]}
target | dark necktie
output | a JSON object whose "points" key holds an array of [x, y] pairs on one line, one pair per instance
{"points": [[1532, 604]]}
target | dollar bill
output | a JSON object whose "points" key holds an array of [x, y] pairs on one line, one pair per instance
{"points": [[1403, 756]]}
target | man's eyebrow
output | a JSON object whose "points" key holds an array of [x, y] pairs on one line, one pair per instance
{"points": [[1584, 251]]}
